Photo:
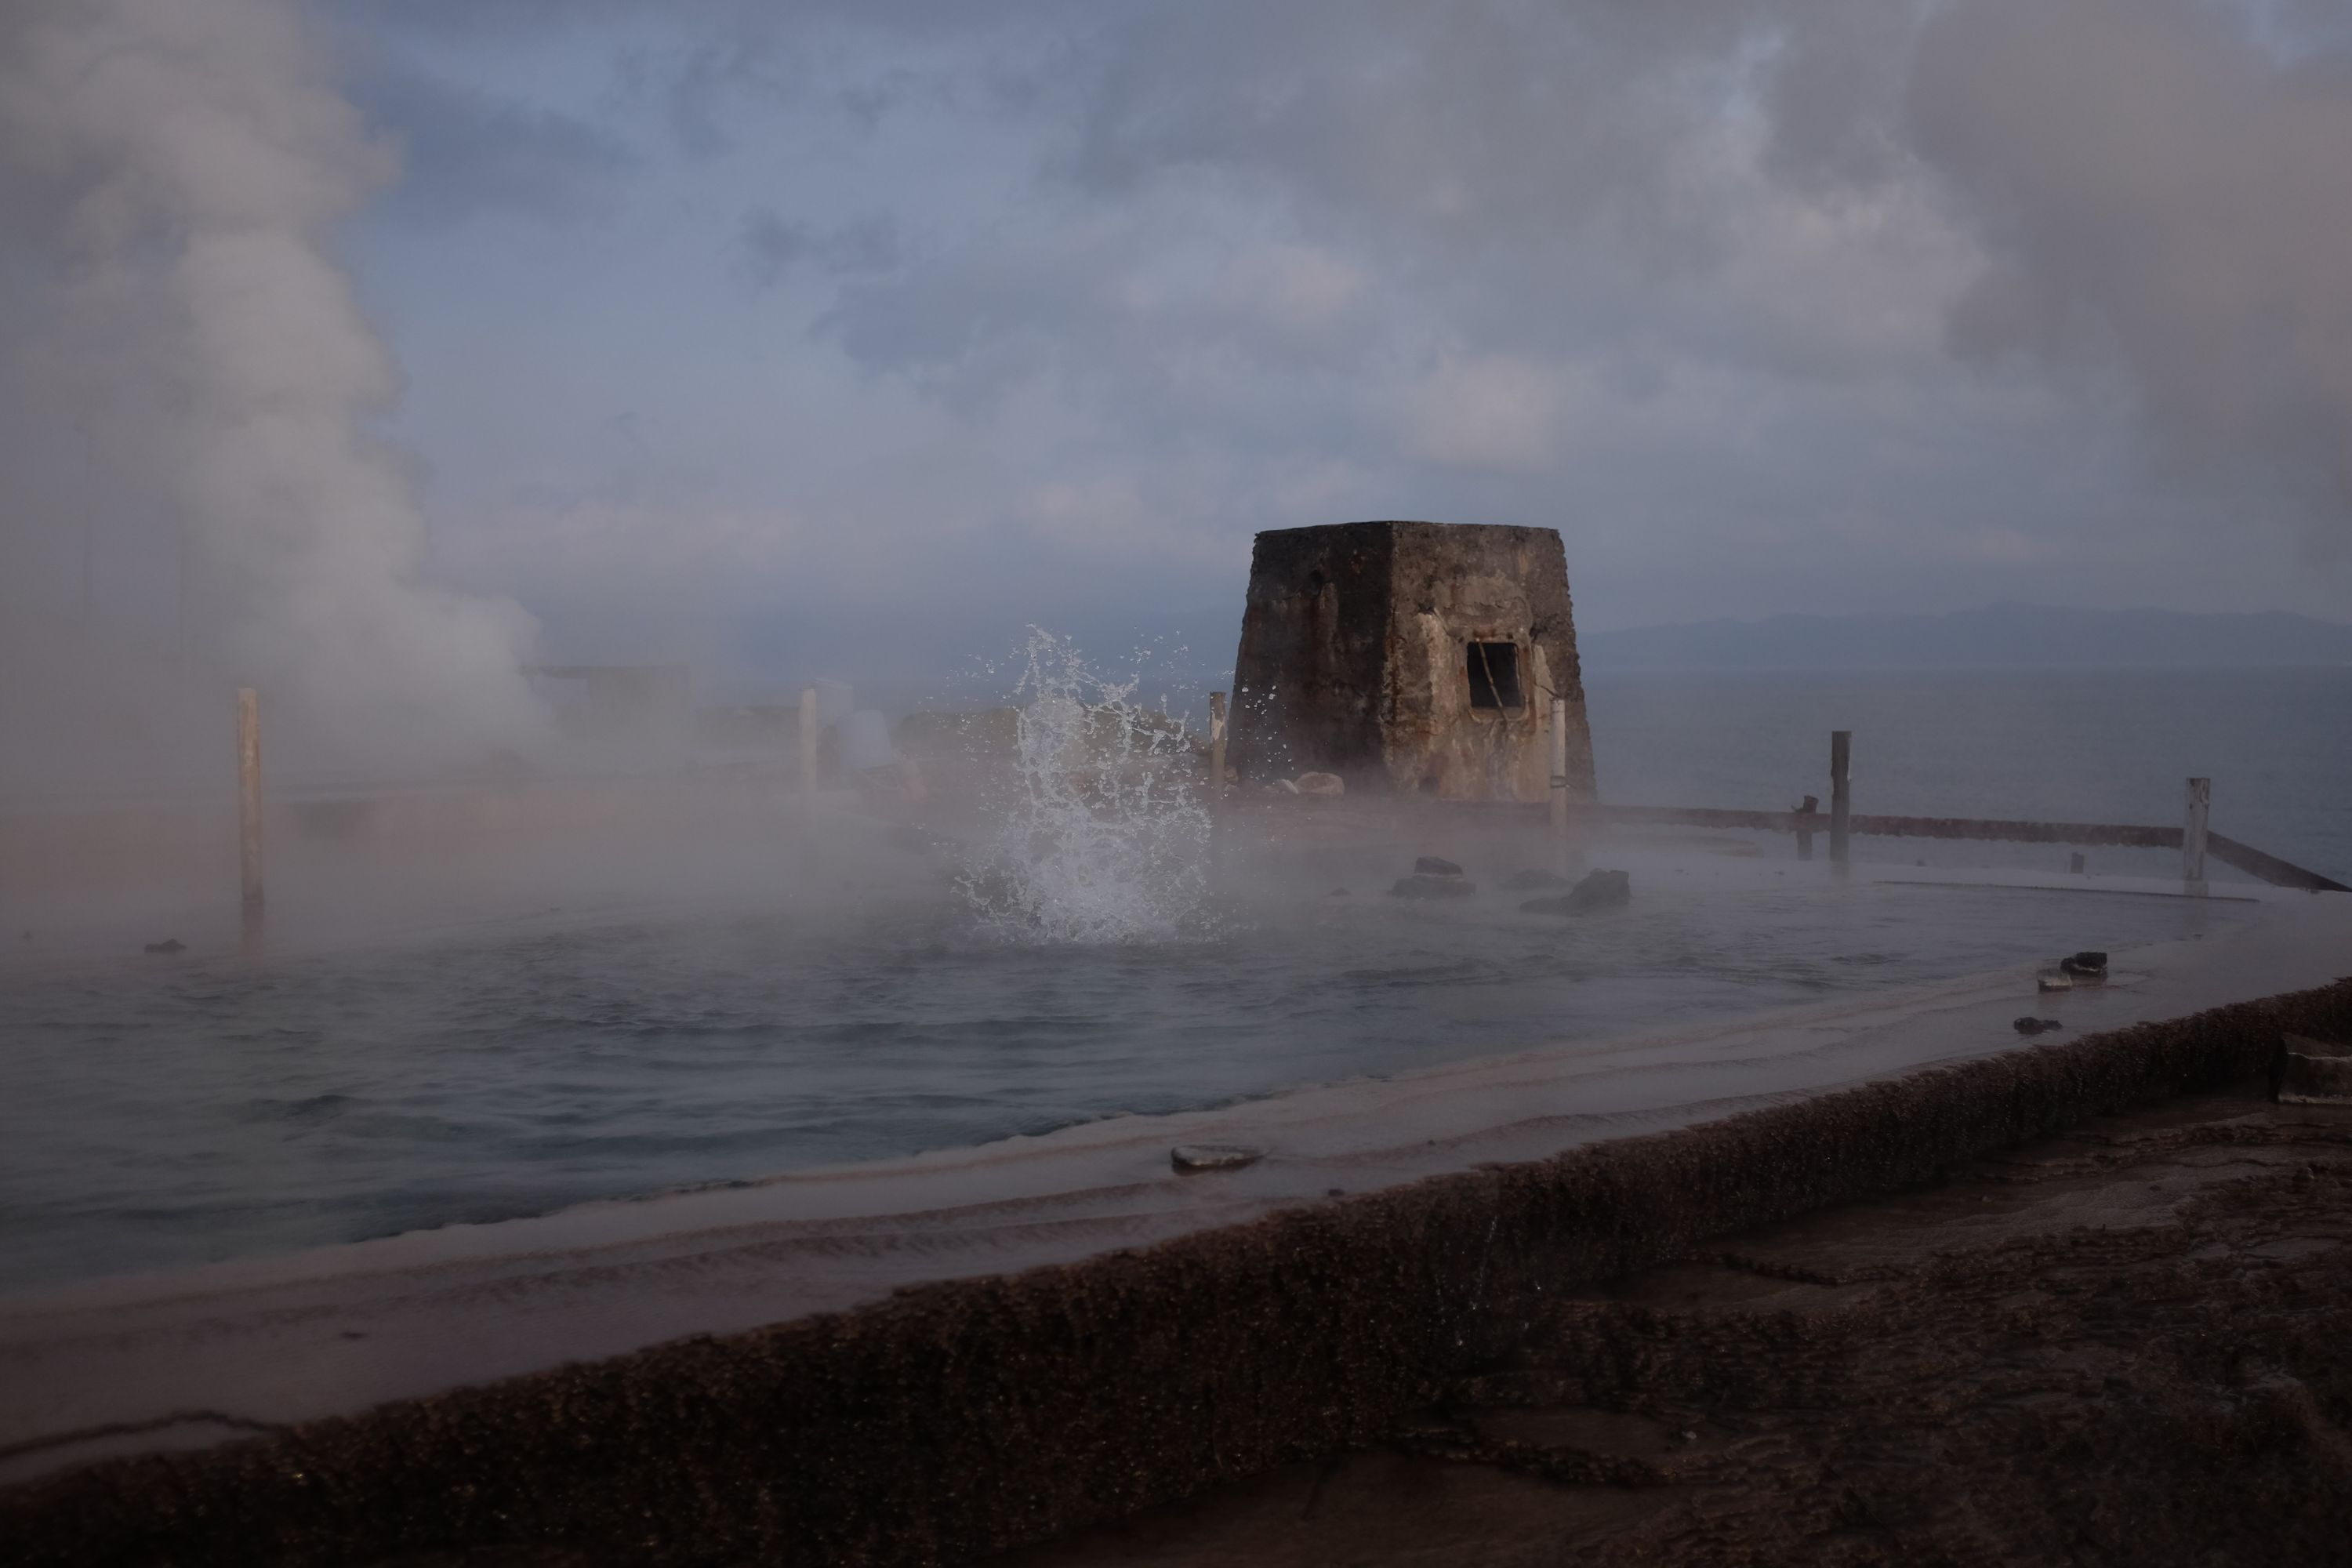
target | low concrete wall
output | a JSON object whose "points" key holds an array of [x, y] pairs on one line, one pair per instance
{"points": [[960, 1419]]}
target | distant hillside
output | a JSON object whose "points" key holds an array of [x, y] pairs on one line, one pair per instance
{"points": [[2000, 636]]}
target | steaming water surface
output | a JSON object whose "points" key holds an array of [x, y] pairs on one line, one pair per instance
{"points": [[176, 1110]]}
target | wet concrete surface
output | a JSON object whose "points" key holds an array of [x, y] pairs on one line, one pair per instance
{"points": [[2128, 1344]]}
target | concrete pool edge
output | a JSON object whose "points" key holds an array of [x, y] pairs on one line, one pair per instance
{"points": [[960, 1418]]}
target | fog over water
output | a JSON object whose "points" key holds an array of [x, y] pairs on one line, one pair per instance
{"points": [[204, 1109], [691, 1005]]}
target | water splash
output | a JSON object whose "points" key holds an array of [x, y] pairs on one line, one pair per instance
{"points": [[1101, 833]]}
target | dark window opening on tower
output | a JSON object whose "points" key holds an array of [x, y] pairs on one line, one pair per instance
{"points": [[1495, 675]]}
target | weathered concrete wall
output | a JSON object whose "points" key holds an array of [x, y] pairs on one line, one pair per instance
{"points": [[1354, 659], [1311, 681], [1454, 585]]}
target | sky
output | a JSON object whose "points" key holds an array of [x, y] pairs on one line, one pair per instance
{"points": [[835, 337]]}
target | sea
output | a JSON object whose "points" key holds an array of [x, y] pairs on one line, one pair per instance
{"points": [[162, 1112]]}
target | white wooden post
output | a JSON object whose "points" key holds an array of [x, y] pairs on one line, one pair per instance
{"points": [[2192, 835], [248, 811], [809, 740], [1841, 792]]}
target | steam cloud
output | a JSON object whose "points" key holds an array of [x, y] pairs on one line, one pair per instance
{"points": [[191, 497]]}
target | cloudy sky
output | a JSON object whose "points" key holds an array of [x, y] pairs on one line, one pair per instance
{"points": [[729, 331]]}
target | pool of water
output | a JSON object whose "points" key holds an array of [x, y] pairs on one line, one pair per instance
{"points": [[162, 1111]]}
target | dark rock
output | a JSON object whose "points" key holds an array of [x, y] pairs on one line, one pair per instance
{"points": [[1427, 887], [1599, 890], [1528, 881], [1431, 866], [2036, 1025], [2085, 966], [1603, 890], [169, 945], [1192, 1159]]}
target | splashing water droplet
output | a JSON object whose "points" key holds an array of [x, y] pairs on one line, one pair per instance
{"points": [[1101, 836]]}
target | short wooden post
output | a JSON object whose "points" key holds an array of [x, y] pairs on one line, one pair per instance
{"points": [[1217, 749], [1841, 792], [248, 809], [2192, 835], [811, 738], [1560, 769], [1804, 814]]}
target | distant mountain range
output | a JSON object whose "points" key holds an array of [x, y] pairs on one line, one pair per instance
{"points": [[1999, 635]]}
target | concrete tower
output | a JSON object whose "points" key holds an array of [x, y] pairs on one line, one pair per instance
{"points": [[1410, 658]]}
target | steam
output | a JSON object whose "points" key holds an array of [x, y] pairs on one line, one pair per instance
{"points": [[2151, 182], [192, 498]]}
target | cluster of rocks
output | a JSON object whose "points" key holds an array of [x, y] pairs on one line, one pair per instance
{"points": [[1436, 879], [2088, 966], [1599, 890]]}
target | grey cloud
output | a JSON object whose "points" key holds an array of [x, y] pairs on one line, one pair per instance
{"points": [[768, 247], [965, 333], [2166, 184], [1713, 241], [1834, 92], [465, 153], [1496, 124], [1533, 179], [1476, 126], [2156, 190]]}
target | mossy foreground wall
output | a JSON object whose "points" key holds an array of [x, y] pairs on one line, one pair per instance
{"points": [[964, 1418]]}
